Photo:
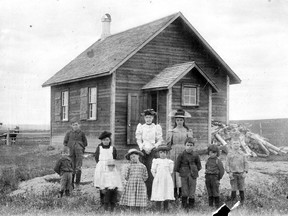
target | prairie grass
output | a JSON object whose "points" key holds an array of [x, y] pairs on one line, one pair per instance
{"points": [[23, 162]]}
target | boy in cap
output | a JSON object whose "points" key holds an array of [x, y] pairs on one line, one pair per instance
{"points": [[76, 140], [237, 168], [214, 171], [64, 168], [188, 165]]}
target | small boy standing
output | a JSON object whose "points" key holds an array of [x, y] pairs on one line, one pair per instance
{"points": [[237, 168], [112, 185], [188, 165], [76, 140], [64, 168], [214, 172]]}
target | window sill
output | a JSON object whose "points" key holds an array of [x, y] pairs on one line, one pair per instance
{"points": [[91, 119]]}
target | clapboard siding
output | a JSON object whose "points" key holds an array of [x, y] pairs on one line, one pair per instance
{"points": [[92, 128], [199, 121], [171, 46]]}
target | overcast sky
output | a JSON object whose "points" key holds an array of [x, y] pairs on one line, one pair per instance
{"points": [[39, 37]]}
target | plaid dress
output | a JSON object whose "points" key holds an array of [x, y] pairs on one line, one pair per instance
{"points": [[135, 192]]}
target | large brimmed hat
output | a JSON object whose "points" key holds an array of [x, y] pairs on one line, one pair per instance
{"points": [[105, 134], [179, 113], [133, 151], [163, 147], [149, 112]]}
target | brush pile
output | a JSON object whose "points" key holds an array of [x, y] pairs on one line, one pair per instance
{"points": [[252, 144]]}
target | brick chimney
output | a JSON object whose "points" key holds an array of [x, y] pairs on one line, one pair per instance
{"points": [[106, 20]]}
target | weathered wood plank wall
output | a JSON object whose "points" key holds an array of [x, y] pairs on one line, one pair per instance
{"points": [[170, 47], [92, 128]]}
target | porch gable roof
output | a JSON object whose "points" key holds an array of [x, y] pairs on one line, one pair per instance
{"points": [[167, 78]]}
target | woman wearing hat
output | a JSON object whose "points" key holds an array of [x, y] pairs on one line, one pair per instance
{"points": [[176, 139], [149, 137], [104, 152]]}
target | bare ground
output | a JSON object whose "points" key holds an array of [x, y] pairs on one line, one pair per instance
{"points": [[261, 174]]}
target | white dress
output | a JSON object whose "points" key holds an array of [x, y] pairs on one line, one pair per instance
{"points": [[149, 136], [102, 175], [163, 187]]}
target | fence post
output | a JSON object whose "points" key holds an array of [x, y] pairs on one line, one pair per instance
{"points": [[8, 137]]}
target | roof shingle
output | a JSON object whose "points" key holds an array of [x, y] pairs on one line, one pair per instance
{"points": [[104, 56], [170, 75]]}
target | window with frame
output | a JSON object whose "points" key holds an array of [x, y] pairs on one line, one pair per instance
{"points": [[64, 105], [190, 95], [92, 103]]}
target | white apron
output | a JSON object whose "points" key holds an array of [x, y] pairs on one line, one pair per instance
{"points": [[101, 169]]}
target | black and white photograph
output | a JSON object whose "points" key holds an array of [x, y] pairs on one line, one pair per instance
{"points": [[138, 107]]}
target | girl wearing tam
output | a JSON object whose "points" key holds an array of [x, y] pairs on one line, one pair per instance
{"points": [[162, 168], [176, 139], [135, 192], [104, 152], [149, 137]]}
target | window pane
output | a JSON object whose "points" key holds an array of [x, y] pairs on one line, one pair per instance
{"points": [[92, 103], [190, 95], [65, 98], [92, 95]]}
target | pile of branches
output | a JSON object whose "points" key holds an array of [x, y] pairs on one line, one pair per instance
{"points": [[252, 144]]}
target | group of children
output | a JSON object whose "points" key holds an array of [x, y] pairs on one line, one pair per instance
{"points": [[133, 188]]}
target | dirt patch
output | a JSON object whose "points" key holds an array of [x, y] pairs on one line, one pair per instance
{"points": [[260, 174]]}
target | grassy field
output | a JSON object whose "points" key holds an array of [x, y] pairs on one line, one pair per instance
{"points": [[32, 156]]}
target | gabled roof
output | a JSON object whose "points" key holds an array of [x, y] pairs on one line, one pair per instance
{"points": [[171, 75], [105, 56]]}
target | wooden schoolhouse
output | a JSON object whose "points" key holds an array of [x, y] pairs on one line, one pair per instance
{"points": [[165, 64]]}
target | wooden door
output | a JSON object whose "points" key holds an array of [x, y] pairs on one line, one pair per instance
{"points": [[132, 117]]}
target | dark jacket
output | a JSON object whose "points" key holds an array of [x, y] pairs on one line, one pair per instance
{"points": [[97, 153], [188, 164], [214, 166], [75, 139], [64, 164]]}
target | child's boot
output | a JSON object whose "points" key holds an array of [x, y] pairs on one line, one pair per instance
{"points": [[158, 205], [166, 205], [112, 206], [67, 192], [175, 193], [73, 180], [78, 177], [101, 197], [106, 206], [241, 197], [191, 203], [180, 193], [217, 201], [233, 195], [184, 202], [210, 200], [60, 193]]}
